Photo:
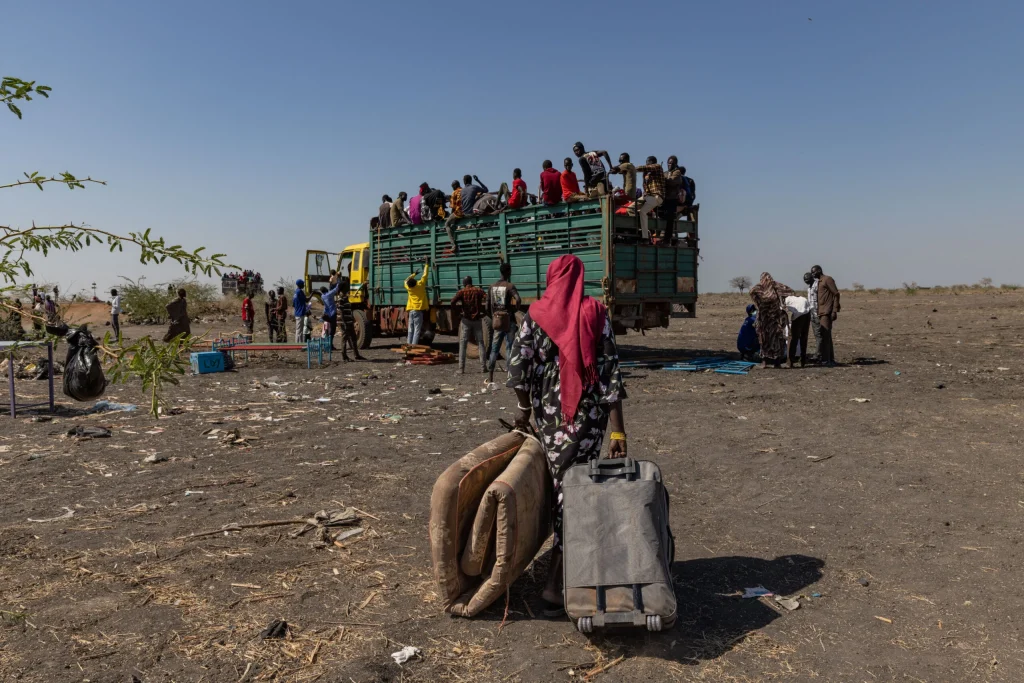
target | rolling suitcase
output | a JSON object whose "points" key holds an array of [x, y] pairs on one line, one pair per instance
{"points": [[617, 546]]}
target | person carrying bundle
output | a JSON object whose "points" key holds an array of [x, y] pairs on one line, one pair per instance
{"points": [[564, 367]]}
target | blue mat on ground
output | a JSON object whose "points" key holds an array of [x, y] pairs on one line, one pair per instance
{"points": [[736, 367], [719, 364]]}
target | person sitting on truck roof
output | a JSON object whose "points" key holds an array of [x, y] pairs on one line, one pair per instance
{"points": [[470, 192], [455, 200], [628, 172], [595, 177], [399, 216], [434, 200], [417, 303], [415, 212], [517, 199], [550, 184], [654, 193], [473, 302], [384, 212], [570, 184]]}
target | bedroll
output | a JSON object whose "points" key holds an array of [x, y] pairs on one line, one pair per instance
{"points": [[490, 512]]}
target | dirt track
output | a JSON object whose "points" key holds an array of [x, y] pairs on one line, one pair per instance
{"points": [[778, 479]]}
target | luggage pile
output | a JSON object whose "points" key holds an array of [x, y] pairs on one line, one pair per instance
{"points": [[490, 515]]}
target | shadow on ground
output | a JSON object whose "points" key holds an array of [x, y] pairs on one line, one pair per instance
{"points": [[712, 619]]}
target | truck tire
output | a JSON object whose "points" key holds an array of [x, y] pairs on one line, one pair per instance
{"points": [[364, 330]]}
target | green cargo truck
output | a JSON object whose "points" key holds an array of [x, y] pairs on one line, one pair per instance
{"points": [[643, 285]]}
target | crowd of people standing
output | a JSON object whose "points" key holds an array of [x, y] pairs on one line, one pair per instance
{"points": [[779, 323]]}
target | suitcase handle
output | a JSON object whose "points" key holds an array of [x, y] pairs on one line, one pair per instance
{"points": [[613, 467]]}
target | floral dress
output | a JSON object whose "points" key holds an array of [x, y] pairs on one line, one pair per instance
{"points": [[533, 367]]}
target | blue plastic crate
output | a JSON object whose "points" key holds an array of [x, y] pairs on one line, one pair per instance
{"points": [[207, 362]]}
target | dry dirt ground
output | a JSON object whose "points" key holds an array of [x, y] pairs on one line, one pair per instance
{"points": [[895, 521]]}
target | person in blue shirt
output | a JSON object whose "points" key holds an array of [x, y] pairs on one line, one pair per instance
{"points": [[301, 306], [331, 310], [746, 341]]}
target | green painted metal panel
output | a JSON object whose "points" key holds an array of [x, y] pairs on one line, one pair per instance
{"points": [[529, 239]]}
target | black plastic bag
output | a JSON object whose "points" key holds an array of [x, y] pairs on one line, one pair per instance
{"points": [[83, 374]]}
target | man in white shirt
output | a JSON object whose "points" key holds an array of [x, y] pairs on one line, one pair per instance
{"points": [[115, 313], [800, 324]]}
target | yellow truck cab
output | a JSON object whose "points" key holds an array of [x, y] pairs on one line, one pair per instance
{"points": [[352, 262]]}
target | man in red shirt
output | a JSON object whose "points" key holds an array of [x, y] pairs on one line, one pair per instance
{"points": [[248, 314], [570, 184], [517, 199], [550, 185]]}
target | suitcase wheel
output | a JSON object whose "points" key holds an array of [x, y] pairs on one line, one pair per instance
{"points": [[585, 624], [654, 622]]}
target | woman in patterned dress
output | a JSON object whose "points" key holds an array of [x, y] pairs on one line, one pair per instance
{"points": [[772, 319], [564, 367]]}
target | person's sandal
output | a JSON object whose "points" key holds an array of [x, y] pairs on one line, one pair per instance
{"points": [[552, 610]]}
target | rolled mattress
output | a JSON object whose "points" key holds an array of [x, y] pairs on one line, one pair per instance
{"points": [[490, 512]]}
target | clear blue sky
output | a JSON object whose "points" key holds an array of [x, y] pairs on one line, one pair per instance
{"points": [[880, 139]]}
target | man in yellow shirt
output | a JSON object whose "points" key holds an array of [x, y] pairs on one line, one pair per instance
{"points": [[418, 303]]}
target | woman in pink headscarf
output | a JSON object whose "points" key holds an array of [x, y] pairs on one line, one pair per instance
{"points": [[565, 369]]}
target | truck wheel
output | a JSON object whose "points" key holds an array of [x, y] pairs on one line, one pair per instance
{"points": [[364, 330]]}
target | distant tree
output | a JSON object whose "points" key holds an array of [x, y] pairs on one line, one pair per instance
{"points": [[985, 282], [858, 287], [287, 283], [740, 282]]}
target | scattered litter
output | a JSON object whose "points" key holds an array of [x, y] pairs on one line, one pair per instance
{"points": [[155, 458], [820, 458], [434, 391], [888, 621], [759, 592], [68, 513], [789, 603], [84, 433], [323, 400], [940, 386], [1002, 369], [278, 628], [110, 406], [897, 373], [347, 534], [861, 400], [864, 582], [41, 418], [405, 654], [194, 493], [158, 430], [815, 595]]}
